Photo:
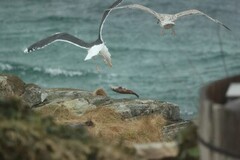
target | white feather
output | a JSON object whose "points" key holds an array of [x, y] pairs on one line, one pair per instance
{"points": [[106, 55]]}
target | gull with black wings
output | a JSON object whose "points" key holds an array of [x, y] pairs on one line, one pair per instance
{"points": [[95, 48]]}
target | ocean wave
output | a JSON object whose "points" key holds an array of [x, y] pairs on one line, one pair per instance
{"points": [[58, 71], [8, 67]]}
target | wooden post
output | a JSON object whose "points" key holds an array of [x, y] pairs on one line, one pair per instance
{"points": [[219, 122]]}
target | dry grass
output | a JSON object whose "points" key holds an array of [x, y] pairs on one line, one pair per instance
{"points": [[110, 125], [61, 114], [25, 135]]}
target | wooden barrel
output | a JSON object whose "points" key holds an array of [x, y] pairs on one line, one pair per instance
{"points": [[219, 122]]}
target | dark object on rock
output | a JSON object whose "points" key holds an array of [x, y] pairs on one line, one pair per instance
{"points": [[122, 90], [89, 123]]}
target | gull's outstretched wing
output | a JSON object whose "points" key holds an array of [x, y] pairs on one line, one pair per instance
{"points": [[58, 37], [197, 12], [105, 14], [141, 7]]}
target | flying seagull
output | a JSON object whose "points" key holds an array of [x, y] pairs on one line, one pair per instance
{"points": [[94, 48], [167, 21]]}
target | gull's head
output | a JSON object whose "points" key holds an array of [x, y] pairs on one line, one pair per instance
{"points": [[167, 24], [106, 56]]}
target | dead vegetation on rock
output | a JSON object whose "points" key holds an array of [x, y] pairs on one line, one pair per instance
{"points": [[109, 125], [26, 136]]}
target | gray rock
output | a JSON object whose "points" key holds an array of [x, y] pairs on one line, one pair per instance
{"points": [[157, 150], [137, 107], [34, 95], [170, 131], [77, 101]]}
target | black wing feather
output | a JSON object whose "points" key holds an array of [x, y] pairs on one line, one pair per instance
{"points": [[105, 14], [58, 37]]}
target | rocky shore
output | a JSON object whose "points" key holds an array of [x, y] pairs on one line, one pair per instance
{"points": [[70, 107], [80, 101]]}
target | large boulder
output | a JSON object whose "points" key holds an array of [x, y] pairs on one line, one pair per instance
{"points": [[34, 95], [80, 101], [31, 94], [138, 107], [11, 85]]}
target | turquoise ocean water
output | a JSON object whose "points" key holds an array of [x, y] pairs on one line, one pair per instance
{"points": [[165, 67]]}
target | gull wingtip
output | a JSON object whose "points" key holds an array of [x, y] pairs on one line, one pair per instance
{"points": [[227, 28], [26, 50]]}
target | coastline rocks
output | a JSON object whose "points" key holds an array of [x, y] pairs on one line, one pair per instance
{"points": [[79, 101], [68, 105]]}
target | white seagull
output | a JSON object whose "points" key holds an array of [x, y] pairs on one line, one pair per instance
{"points": [[167, 21], [94, 48]]}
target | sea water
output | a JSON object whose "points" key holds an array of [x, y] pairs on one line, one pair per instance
{"points": [[164, 67]]}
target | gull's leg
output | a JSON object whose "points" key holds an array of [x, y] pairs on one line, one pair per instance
{"points": [[98, 69], [161, 32], [173, 32]]}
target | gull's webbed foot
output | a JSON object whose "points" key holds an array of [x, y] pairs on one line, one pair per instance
{"points": [[173, 32], [161, 32]]}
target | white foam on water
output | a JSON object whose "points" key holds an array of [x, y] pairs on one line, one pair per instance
{"points": [[58, 71], [6, 67]]}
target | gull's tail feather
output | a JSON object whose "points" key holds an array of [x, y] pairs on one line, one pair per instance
{"points": [[93, 51]]}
